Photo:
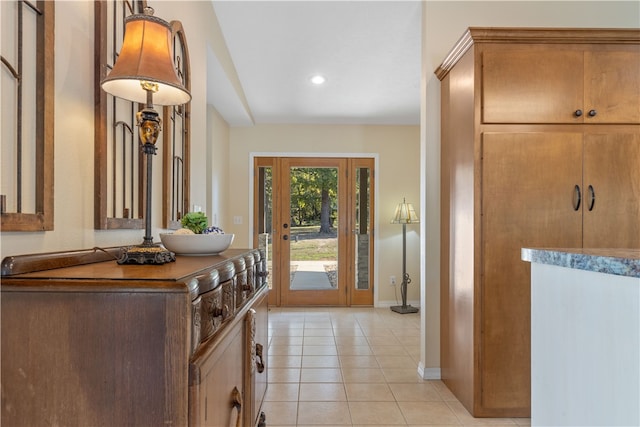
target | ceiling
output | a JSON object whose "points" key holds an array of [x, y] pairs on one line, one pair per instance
{"points": [[369, 52]]}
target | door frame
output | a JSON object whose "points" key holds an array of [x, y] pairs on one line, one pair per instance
{"points": [[375, 225]]}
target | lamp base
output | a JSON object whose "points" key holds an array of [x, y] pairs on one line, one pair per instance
{"points": [[146, 254], [404, 309]]}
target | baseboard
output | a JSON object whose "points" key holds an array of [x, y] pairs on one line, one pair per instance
{"points": [[428, 373]]}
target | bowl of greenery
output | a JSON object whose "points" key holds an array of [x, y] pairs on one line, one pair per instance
{"points": [[196, 237]]}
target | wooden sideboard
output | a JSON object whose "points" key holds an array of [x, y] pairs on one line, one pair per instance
{"points": [[89, 342]]}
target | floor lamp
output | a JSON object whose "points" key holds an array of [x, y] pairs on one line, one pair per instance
{"points": [[145, 73], [405, 214]]}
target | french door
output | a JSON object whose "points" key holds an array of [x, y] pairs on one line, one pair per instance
{"points": [[315, 218]]}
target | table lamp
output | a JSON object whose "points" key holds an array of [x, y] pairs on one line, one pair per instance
{"points": [[144, 72]]}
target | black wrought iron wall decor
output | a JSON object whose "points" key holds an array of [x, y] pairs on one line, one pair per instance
{"points": [[26, 195], [119, 180], [176, 140], [118, 198]]}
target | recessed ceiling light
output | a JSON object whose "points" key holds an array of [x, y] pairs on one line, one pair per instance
{"points": [[318, 79]]}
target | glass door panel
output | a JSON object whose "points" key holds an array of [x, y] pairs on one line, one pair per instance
{"points": [[312, 190], [263, 217], [361, 292], [313, 253]]}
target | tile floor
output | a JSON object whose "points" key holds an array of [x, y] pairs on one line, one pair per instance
{"points": [[355, 367]]}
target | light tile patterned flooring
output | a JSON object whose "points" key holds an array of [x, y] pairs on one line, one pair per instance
{"points": [[355, 367]]}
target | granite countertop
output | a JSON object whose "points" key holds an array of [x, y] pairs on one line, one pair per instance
{"points": [[620, 262]]}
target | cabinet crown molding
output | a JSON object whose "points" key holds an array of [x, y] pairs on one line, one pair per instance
{"points": [[514, 35]]}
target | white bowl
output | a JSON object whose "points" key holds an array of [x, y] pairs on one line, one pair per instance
{"points": [[196, 244]]}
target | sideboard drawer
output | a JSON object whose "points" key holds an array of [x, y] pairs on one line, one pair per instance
{"points": [[213, 312], [227, 273], [261, 267], [240, 281], [250, 287]]}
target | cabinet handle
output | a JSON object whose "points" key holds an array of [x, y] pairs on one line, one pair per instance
{"points": [[220, 312], [259, 359], [577, 197], [578, 113], [592, 198], [592, 113], [285, 237], [236, 402]]}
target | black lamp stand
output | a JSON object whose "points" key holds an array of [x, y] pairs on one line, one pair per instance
{"points": [[148, 252], [404, 308]]}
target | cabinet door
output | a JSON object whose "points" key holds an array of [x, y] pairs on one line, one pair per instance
{"points": [[257, 345], [612, 176], [612, 86], [222, 384], [528, 180], [534, 85]]}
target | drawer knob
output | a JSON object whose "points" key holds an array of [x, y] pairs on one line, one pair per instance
{"points": [[592, 113], [578, 113]]}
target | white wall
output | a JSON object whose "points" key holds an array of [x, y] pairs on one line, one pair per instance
{"points": [[217, 158], [444, 23]]}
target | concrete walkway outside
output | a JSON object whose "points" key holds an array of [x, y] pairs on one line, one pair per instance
{"points": [[311, 275]]}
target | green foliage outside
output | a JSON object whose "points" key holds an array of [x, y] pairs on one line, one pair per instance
{"points": [[314, 194], [308, 244], [313, 210]]}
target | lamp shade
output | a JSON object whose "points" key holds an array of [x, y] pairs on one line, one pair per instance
{"points": [[146, 56], [405, 214]]}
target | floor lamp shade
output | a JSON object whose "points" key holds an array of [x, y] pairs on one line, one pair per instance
{"points": [[405, 214], [145, 73]]}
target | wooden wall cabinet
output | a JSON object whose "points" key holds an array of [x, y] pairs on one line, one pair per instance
{"points": [[521, 169], [88, 342], [551, 83]]}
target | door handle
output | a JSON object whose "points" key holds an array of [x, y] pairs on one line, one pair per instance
{"points": [[577, 197], [592, 198]]}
